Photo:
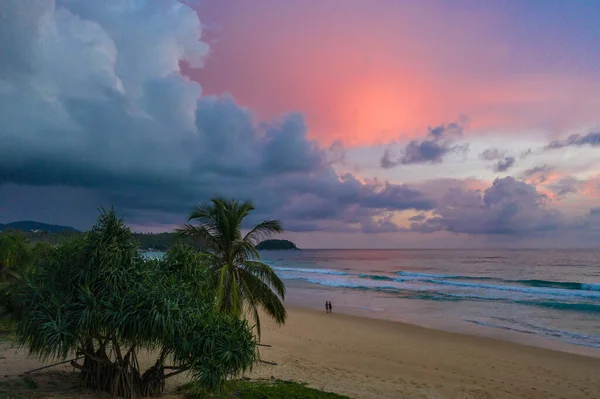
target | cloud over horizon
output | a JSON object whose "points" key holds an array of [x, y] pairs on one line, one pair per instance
{"points": [[106, 103], [440, 142], [509, 206], [576, 140]]}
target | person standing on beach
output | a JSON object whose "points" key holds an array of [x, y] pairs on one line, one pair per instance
{"points": [[330, 311], [327, 307]]}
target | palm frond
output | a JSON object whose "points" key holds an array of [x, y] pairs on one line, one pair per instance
{"points": [[266, 274], [263, 230], [243, 251], [205, 237], [265, 297]]}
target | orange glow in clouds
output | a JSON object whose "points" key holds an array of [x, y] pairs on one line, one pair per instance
{"points": [[367, 74], [372, 110]]}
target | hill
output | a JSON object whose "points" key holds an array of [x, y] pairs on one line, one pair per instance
{"points": [[275, 245], [28, 225]]}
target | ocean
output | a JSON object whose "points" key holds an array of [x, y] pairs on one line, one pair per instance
{"points": [[532, 296]]}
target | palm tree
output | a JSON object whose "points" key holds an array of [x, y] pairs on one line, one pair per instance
{"points": [[244, 284]]}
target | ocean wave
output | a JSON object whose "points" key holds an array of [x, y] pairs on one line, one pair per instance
{"points": [[561, 335], [549, 289], [377, 277], [406, 292], [561, 284], [514, 288], [445, 276], [579, 307], [312, 271], [492, 325]]}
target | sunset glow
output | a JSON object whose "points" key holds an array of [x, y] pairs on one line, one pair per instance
{"points": [[399, 119]]}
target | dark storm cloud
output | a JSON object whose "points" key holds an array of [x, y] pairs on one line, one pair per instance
{"points": [[439, 143], [576, 140], [508, 207], [104, 108]]}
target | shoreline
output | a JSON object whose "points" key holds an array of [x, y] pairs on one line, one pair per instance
{"points": [[373, 358], [306, 297], [479, 332]]}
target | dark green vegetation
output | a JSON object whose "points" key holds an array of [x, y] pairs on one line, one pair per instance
{"points": [[161, 241], [27, 226], [17, 256], [268, 245], [22, 388], [146, 241], [261, 389], [8, 328], [96, 296], [243, 283]]}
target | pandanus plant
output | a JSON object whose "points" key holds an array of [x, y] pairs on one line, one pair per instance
{"points": [[97, 298]]}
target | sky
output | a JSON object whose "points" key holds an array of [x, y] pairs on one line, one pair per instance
{"points": [[379, 124]]}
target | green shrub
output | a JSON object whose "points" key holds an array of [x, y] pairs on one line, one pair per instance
{"points": [[96, 296]]}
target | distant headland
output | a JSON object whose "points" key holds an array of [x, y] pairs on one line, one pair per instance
{"points": [[35, 227], [54, 234], [275, 245]]}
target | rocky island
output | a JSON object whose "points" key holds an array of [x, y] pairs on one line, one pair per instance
{"points": [[275, 245]]}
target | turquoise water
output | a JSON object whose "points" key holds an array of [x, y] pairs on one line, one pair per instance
{"points": [[543, 295]]}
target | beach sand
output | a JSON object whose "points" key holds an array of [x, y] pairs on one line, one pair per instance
{"points": [[369, 358]]}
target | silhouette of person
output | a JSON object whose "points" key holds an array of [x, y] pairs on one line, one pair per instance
{"points": [[327, 307], [330, 311]]}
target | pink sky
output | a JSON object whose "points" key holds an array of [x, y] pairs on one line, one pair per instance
{"points": [[376, 72]]}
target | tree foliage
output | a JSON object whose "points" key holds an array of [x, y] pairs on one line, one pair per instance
{"points": [[146, 241], [244, 284], [17, 255], [96, 296]]}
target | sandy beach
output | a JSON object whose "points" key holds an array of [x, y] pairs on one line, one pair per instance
{"points": [[377, 359], [367, 358]]}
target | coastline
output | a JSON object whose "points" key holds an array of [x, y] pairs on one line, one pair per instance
{"points": [[373, 358], [419, 313]]}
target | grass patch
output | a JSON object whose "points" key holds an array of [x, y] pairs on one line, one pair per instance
{"points": [[260, 389], [30, 383], [20, 389]]}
